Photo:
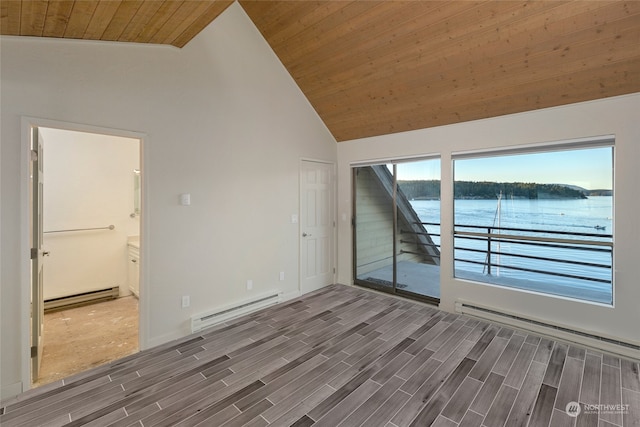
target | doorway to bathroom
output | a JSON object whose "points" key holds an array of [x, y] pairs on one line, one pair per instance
{"points": [[85, 227]]}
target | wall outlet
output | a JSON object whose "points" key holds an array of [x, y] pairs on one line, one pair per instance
{"points": [[249, 285], [281, 276], [186, 301]]}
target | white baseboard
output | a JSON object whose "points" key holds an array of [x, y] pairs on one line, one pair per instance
{"points": [[290, 295], [11, 390], [163, 339]]}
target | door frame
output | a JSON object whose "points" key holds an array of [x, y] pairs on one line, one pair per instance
{"points": [[334, 204], [37, 241], [27, 123], [354, 213]]}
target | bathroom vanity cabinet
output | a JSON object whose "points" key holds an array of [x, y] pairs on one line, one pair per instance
{"points": [[134, 269]]}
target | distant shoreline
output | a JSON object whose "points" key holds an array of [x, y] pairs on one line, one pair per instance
{"points": [[485, 190]]}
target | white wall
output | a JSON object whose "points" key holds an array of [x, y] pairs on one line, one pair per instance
{"points": [[88, 183], [223, 121], [618, 116]]}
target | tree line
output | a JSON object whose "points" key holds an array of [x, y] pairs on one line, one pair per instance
{"points": [[430, 190]]}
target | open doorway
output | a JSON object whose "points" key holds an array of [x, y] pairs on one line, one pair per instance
{"points": [[88, 203]]}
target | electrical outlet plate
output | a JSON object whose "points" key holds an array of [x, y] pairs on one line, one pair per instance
{"points": [[249, 285], [186, 301]]}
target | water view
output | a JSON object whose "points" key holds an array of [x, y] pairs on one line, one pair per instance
{"points": [[550, 233], [590, 219]]}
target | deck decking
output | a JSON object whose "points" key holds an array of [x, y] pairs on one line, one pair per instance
{"points": [[424, 279]]}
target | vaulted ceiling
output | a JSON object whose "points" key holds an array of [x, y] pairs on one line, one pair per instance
{"points": [[172, 22], [379, 67]]}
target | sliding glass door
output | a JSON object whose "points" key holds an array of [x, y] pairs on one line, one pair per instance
{"points": [[397, 228]]}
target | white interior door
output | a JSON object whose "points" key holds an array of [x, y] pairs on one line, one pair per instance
{"points": [[37, 253], [316, 225]]}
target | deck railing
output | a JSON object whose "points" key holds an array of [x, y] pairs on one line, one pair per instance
{"points": [[554, 250]]}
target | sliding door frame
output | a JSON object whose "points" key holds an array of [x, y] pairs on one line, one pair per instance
{"points": [[393, 289]]}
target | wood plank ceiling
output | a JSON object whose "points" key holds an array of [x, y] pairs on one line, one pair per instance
{"points": [[379, 67], [172, 22], [372, 68]]}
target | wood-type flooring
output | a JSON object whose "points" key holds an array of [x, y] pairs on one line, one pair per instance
{"points": [[344, 356]]}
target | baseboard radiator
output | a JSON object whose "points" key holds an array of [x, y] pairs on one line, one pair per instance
{"points": [[80, 299], [222, 314], [556, 331]]}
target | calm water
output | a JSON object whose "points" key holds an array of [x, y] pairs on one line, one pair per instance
{"points": [[576, 216]]}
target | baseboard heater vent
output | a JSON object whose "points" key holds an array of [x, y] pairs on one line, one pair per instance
{"points": [[608, 344], [81, 299], [206, 320]]}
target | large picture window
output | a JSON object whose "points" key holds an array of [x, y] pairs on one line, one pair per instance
{"points": [[539, 221]]}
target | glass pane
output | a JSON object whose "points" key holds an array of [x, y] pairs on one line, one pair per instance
{"points": [[540, 222], [374, 226], [418, 227]]}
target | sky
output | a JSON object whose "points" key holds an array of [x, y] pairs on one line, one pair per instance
{"points": [[587, 168]]}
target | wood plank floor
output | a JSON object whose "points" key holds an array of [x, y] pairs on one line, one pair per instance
{"points": [[343, 356]]}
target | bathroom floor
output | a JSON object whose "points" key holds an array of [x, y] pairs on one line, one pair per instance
{"points": [[82, 338]]}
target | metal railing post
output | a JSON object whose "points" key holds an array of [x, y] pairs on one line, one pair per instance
{"points": [[489, 251]]}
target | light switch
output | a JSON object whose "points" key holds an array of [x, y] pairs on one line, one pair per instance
{"points": [[294, 218], [185, 199]]}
